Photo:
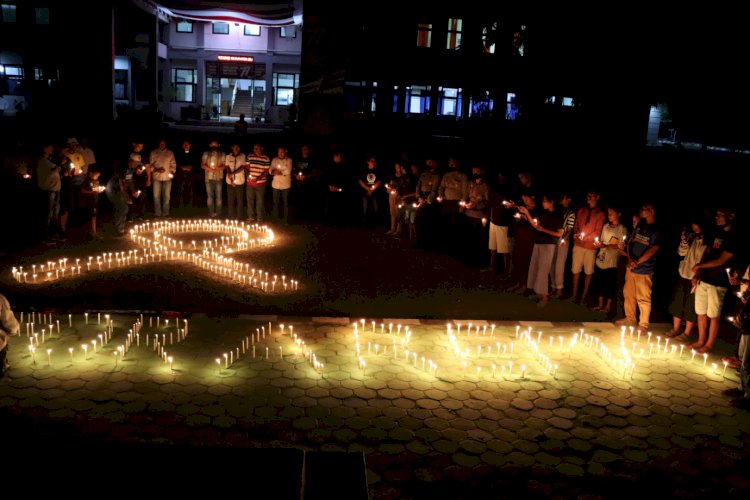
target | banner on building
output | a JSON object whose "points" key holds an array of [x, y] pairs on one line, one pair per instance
{"points": [[238, 70]]}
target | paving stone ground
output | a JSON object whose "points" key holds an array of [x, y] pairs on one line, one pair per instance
{"points": [[434, 415]]}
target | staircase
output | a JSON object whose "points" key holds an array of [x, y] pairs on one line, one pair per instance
{"points": [[243, 103]]}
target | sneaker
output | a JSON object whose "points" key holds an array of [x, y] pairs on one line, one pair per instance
{"points": [[734, 392]]}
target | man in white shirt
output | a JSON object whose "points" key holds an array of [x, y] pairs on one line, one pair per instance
{"points": [[281, 170]]}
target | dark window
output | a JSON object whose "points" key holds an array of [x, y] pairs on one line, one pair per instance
{"points": [[184, 84], [41, 15]]}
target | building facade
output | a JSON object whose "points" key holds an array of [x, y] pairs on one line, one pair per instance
{"points": [[82, 62]]}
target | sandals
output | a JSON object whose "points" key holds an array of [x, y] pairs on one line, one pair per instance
{"points": [[672, 334]]}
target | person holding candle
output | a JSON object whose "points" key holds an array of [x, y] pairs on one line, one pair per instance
{"points": [[136, 181], [500, 222], [90, 191], [258, 165], [309, 189], [741, 321], [50, 182], [588, 226], [523, 244], [212, 163], [235, 177], [548, 226], [682, 305], [474, 219], [370, 180], [607, 260], [712, 279], [117, 193], [427, 215], [563, 246], [337, 180], [281, 184], [187, 162], [453, 189], [641, 249], [163, 165]]}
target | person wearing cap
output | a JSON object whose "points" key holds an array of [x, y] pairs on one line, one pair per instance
{"points": [[712, 279]]}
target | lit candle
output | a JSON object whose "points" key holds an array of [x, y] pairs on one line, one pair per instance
{"points": [[70, 320], [49, 357]]}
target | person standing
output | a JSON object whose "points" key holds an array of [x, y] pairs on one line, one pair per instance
{"points": [[588, 226], [49, 181], [682, 305], [212, 163], [712, 277], [641, 249], [163, 166], [256, 178], [235, 178], [187, 164], [281, 170]]}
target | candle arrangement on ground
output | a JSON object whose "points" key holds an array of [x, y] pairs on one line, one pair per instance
{"points": [[162, 241], [463, 351]]}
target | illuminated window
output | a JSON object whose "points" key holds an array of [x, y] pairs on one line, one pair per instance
{"points": [[285, 87], [418, 99], [511, 107], [454, 34], [220, 28], [184, 83], [450, 102], [567, 102], [13, 79], [288, 32], [481, 106], [49, 75], [41, 15], [519, 41], [252, 30], [424, 35], [489, 36], [121, 84], [185, 27], [9, 13]]}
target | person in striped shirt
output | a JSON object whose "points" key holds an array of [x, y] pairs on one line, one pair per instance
{"points": [[257, 174]]}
